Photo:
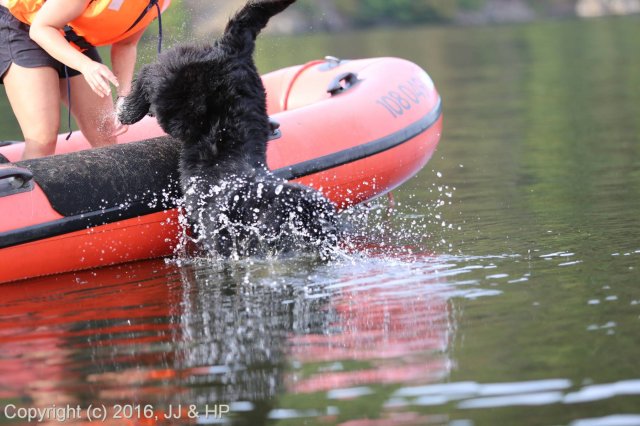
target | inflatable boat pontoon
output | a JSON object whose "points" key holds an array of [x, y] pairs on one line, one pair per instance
{"points": [[355, 130]]}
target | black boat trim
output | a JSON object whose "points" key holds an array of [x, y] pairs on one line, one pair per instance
{"points": [[360, 152], [103, 217], [71, 224]]}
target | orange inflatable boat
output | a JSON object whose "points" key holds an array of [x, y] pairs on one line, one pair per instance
{"points": [[355, 130]]}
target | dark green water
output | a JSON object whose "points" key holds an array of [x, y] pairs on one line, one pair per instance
{"points": [[504, 291]]}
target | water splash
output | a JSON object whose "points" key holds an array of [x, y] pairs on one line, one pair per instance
{"points": [[399, 229]]}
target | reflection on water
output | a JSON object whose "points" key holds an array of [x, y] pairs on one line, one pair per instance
{"points": [[503, 290], [284, 342], [241, 335]]}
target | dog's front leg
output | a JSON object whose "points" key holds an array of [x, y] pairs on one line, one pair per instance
{"points": [[136, 104]]}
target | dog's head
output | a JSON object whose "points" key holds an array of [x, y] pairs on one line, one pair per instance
{"points": [[195, 91], [186, 89]]}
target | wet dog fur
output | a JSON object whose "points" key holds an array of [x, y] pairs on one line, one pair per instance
{"points": [[211, 98]]}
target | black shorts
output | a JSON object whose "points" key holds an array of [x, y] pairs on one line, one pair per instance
{"points": [[16, 47]]}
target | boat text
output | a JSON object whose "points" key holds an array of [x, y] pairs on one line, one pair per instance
{"points": [[407, 94]]}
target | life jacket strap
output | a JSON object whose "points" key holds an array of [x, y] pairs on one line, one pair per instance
{"points": [[159, 28], [66, 76], [151, 4], [73, 38]]}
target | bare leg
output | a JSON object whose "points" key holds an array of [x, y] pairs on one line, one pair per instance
{"points": [[95, 115], [35, 100]]}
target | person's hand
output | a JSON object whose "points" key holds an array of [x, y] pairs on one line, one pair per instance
{"points": [[99, 76]]}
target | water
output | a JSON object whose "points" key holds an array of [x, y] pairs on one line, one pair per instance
{"points": [[513, 301]]}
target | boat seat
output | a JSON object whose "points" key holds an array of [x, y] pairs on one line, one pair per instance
{"points": [[141, 176]]}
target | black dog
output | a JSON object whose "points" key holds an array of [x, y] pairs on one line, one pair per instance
{"points": [[211, 98]]}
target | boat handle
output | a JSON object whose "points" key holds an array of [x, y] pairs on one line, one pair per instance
{"points": [[342, 82], [23, 175], [274, 129]]}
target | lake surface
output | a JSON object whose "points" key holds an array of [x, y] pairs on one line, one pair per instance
{"points": [[503, 291]]}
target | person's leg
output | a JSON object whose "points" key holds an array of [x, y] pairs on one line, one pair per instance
{"points": [[95, 115], [35, 100]]}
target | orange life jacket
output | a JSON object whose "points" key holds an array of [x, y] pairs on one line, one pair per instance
{"points": [[104, 21]]}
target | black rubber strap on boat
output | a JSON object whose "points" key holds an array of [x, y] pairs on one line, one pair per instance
{"points": [[360, 152], [97, 179]]}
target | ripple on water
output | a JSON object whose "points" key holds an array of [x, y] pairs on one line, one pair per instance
{"points": [[472, 395], [613, 420]]}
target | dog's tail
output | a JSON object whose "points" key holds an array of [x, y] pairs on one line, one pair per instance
{"points": [[242, 30]]}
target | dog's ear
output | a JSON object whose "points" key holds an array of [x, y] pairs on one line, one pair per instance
{"points": [[136, 104]]}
